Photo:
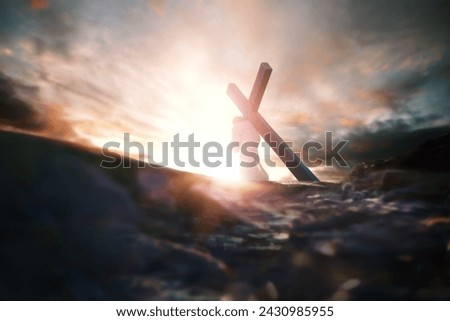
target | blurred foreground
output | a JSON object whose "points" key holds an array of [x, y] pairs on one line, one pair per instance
{"points": [[71, 230]]}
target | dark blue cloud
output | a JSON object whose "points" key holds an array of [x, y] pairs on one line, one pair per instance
{"points": [[15, 111], [50, 29]]}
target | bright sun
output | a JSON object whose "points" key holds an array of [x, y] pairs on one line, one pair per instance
{"points": [[191, 99]]}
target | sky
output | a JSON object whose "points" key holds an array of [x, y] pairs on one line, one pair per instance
{"points": [[373, 72]]}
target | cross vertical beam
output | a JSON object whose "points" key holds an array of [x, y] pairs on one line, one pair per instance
{"points": [[249, 108], [259, 86]]}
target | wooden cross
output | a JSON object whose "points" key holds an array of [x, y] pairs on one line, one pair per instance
{"points": [[249, 108]]}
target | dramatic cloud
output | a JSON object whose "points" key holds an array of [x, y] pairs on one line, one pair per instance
{"points": [[391, 138], [21, 109], [14, 111], [363, 69], [383, 20], [47, 24]]}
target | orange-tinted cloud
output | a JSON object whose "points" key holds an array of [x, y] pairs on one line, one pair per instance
{"points": [[158, 6], [40, 4], [382, 97], [348, 122], [56, 124], [335, 67], [298, 118]]}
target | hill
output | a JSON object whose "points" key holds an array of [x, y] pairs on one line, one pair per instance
{"points": [[72, 230]]}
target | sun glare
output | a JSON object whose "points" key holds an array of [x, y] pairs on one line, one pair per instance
{"points": [[223, 173]]}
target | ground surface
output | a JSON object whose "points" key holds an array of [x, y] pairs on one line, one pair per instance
{"points": [[72, 230]]}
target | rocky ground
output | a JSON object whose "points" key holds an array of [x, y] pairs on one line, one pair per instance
{"points": [[73, 231]]}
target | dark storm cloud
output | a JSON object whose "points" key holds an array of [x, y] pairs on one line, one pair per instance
{"points": [[410, 125], [417, 95], [381, 20], [49, 27], [426, 25], [401, 87], [384, 139], [14, 111], [391, 139]]}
